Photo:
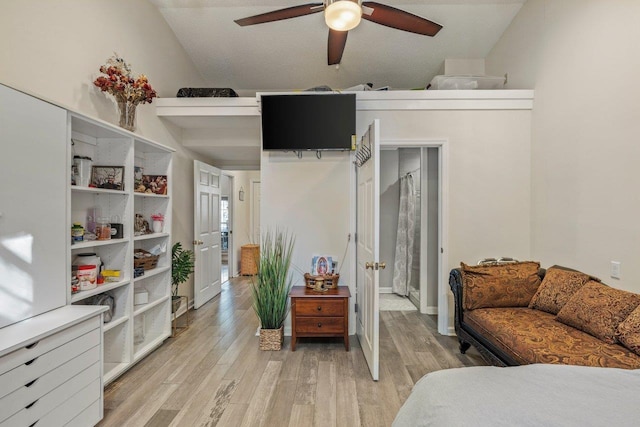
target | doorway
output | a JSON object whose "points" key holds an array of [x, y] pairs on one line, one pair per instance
{"points": [[409, 228], [226, 227]]}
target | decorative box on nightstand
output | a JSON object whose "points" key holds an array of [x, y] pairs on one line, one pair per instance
{"points": [[319, 314]]}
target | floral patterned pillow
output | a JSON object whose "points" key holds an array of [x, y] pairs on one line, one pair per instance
{"points": [[506, 285], [628, 332], [598, 309], [557, 287]]}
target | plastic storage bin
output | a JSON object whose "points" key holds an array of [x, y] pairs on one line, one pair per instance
{"points": [[466, 82]]}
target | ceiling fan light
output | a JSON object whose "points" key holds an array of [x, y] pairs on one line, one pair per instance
{"points": [[342, 15]]}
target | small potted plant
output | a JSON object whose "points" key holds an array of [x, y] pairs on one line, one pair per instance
{"points": [[182, 265], [270, 288]]}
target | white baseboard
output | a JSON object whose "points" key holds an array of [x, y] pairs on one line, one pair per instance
{"points": [[287, 331], [385, 290], [451, 331], [433, 310]]}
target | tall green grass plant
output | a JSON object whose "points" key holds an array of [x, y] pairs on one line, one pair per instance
{"points": [[271, 286]]}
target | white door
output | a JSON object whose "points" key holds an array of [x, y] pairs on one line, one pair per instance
{"points": [[368, 251], [206, 224]]}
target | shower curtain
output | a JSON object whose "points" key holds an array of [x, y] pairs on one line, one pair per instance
{"points": [[405, 237]]}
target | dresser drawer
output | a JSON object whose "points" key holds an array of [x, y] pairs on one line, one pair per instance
{"points": [[319, 307], [35, 349], [320, 325], [63, 403], [40, 365], [29, 396]]}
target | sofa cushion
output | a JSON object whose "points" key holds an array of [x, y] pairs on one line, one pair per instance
{"points": [[557, 287], [506, 285], [628, 332], [598, 309], [534, 336]]}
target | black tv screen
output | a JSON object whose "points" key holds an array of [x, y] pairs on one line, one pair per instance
{"points": [[308, 122]]}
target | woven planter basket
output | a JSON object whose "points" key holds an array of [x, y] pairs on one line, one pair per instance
{"points": [[271, 339]]}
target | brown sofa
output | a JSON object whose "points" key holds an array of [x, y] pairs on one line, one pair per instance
{"points": [[517, 314]]}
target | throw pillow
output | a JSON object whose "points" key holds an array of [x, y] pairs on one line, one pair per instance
{"points": [[628, 332], [556, 288], [505, 285], [598, 309]]}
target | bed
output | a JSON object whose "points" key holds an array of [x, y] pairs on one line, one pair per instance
{"points": [[528, 395]]}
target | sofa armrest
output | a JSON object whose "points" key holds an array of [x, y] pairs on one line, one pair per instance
{"points": [[455, 283]]}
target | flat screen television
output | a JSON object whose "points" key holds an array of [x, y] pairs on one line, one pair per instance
{"points": [[308, 122]]}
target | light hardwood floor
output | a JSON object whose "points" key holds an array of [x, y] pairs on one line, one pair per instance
{"points": [[213, 373]]}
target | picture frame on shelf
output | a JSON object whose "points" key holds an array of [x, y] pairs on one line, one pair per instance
{"points": [[138, 171], [108, 177], [153, 184]]}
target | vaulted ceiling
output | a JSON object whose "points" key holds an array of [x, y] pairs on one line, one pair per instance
{"points": [[292, 54]]}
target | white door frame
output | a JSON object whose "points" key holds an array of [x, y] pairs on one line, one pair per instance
{"points": [[443, 224], [252, 182], [231, 198]]}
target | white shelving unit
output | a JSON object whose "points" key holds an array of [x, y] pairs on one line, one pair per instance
{"points": [[133, 331]]}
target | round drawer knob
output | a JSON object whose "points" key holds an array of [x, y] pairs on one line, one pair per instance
{"points": [[319, 325], [319, 308]]}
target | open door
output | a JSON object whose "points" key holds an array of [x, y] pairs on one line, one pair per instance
{"points": [[368, 247], [206, 225]]}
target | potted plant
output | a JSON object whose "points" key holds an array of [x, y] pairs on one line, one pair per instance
{"points": [[270, 288], [182, 265]]}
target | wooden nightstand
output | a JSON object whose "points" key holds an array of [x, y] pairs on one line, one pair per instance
{"points": [[319, 314]]}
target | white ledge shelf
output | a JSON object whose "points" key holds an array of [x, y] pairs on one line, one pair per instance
{"points": [[98, 290], [151, 273], [96, 190], [150, 236], [94, 243], [151, 195]]}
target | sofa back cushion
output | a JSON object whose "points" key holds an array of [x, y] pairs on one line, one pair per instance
{"points": [[628, 332], [598, 309], [506, 285], [557, 287]]}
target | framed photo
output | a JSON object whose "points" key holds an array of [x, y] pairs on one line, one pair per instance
{"points": [[321, 265], [108, 177], [153, 184], [138, 171]]}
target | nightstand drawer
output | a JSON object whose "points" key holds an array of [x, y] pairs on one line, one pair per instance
{"points": [[320, 307], [320, 325]]}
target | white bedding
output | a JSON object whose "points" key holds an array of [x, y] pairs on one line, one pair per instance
{"points": [[529, 395]]}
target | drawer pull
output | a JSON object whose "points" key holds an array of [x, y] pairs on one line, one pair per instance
{"points": [[32, 345], [319, 308], [319, 325], [31, 383], [30, 361], [31, 404]]}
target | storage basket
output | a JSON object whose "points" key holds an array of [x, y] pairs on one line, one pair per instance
{"points": [[271, 339], [330, 281], [249, 259], [144, 259]]}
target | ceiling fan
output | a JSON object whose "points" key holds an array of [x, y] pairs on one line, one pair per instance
{"points": [[344, 15]]}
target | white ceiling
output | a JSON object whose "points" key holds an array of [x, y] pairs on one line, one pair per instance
{"points": [[292, 54]]}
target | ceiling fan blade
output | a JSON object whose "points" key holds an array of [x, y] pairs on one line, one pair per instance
{"points": [[399, 19], [278, 15], [337, 41]]}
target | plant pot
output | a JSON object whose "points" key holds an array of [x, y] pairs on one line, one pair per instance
{"points": [[271, 339], [176, 301]]}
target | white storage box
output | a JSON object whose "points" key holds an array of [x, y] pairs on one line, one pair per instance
{"points": [[140, 296], [466, 82]]}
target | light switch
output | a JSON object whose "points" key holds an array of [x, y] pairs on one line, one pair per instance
{"points": [[615, 269]]}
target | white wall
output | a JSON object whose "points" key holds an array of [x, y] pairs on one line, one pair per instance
{"points": [[53, 49], [583, 59], [311, 199], [241, 214]]}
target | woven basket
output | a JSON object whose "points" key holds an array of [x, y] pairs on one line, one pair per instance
{"points": [[271, 339], [144, 259], [329, 281], [249, 259]]}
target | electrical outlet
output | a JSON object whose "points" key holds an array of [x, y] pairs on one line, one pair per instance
{"points": [[615, 269]]}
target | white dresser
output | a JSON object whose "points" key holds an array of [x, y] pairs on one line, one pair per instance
{"points": [[51, 369]]}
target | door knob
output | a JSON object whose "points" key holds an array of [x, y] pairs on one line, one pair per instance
{"points": [[197, 242], [383, 265], [368, 265]]}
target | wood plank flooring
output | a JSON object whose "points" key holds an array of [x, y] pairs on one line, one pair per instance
{"points": [[213, 373]]}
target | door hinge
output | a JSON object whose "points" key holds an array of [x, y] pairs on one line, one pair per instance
{"points": [[356, 307]]}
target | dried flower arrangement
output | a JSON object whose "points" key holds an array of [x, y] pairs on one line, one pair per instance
{"points": [[120, 82]]}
